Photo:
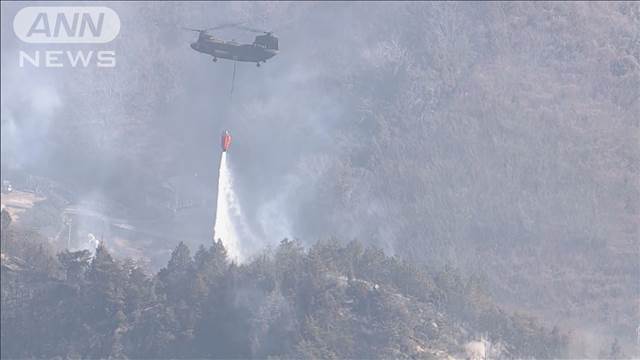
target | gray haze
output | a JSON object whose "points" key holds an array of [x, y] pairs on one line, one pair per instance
{"points": [[501, 138]]}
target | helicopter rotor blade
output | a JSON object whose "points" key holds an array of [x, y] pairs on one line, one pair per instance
{"points": [[195, 30], [252, 29], [223, 26]]}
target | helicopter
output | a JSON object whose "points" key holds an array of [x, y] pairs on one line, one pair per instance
{"points": [[264, 47]]}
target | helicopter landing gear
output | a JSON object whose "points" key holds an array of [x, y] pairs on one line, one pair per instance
{"points": [[215, 59]]}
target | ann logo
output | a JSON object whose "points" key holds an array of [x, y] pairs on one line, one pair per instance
{"points": [[66, 24], [70, 28]]}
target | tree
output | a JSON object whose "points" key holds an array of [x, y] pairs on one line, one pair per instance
{"points": [[104, 304], [74, 264], [176, 285], [175, 280], [5, 221]]}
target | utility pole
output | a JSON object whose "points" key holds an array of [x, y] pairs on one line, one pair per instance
{"points": [[69, 236]]}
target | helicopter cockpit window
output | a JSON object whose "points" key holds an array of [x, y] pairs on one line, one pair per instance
{"points": [[267, 42]]}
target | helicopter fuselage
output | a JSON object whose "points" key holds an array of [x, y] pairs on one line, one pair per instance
{"points": [[233, 51]]}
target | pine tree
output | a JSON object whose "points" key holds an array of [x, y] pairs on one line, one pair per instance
{"points": [[176, 278], [176, 283]]}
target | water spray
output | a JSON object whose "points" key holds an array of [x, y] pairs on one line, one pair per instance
{"points": [[230, 225]]}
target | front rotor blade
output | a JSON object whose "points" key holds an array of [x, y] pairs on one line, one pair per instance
{"points": [[190, 29], [222, 26]]}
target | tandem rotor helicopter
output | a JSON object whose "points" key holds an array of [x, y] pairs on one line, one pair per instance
{"points": [[264, 46]]}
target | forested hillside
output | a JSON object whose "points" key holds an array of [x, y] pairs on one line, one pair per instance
{"points": [[501, 138], [330, 301]]}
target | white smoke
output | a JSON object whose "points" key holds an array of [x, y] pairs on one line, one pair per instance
{"points": [[230, 224], [28, 107]]}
